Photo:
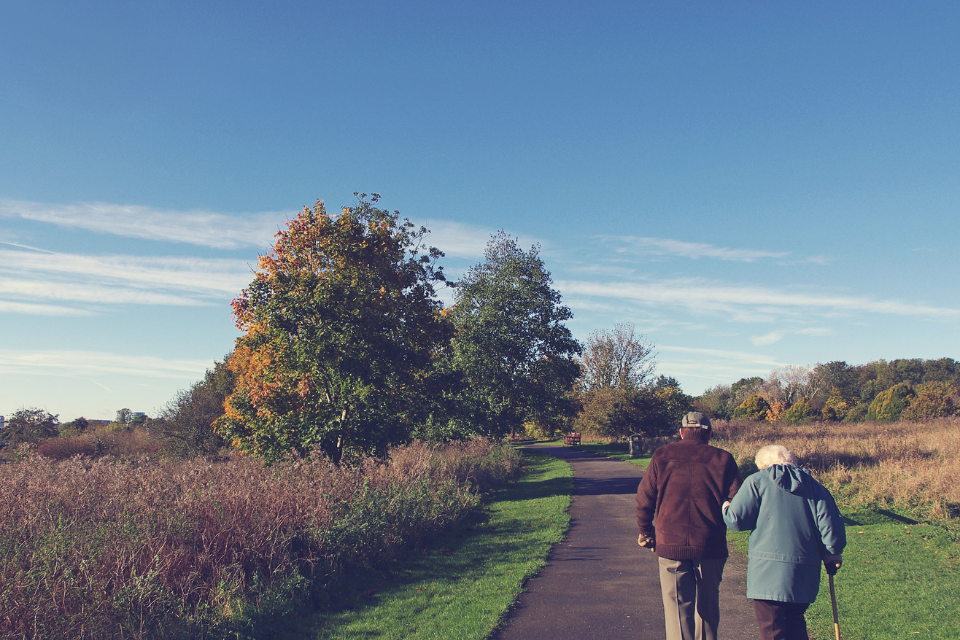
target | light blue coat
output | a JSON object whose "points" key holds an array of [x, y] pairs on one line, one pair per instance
{"points": [[795, 522]]}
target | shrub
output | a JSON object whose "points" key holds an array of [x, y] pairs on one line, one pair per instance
{"points": [[799, 411], [932, 400], [105, 441], [857, 413], [754, 407], [889, 404], [63, 448]]}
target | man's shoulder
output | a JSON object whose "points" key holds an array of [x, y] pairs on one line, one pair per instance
{"points": [[687, 451]]}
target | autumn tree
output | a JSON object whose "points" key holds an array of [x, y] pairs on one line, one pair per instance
{"points": [[516, 355], [341, 324]]}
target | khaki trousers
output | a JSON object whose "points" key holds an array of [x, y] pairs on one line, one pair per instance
{"points": [[691, 597]]}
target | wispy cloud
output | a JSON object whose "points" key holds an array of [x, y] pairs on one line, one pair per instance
{"points": [[205, 228], [29, 278], [697, 250], [705, 297], [29, 308], [87, 363], [693, 250], [215, 276], [715, 365], [457, 239], [95, 294], [776, 336], [725, 354]]}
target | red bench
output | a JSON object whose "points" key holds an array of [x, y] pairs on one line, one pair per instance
{"points": [[572, 438]]}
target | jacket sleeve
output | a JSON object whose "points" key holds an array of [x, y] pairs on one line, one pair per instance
{"points": [[647, 500], [742, 513], [733, 478], [833, 533]]}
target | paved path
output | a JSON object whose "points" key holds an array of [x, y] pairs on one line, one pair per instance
{"points": [[598, 584]]}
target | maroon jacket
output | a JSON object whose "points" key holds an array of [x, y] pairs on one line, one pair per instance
{"points": [[682, 490]]}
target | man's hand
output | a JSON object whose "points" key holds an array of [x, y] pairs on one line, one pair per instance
{"points": [[647, 541], [832, 563]]}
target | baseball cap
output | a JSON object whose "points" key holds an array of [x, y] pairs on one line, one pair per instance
{"points": [[695, 419]]}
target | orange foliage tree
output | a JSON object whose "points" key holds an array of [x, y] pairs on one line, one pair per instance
{"points": [[341, 325]]}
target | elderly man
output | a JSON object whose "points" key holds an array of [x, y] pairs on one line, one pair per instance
{"points": [[796, 525], [681, 494]]}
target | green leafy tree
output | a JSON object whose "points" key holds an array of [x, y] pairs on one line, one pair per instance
{"points": [[942, 370], [889, 404], [511, 346], [186, 425], [124, 419], [611, 412], [670, 404], [73, 428], [341, 328], [754, 407], [30, 425], [715, 402]]}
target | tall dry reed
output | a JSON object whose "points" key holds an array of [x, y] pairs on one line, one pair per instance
{"points": [[152, 549], [910, 465]]}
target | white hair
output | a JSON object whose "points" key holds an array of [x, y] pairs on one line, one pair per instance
{"points": [[774, 454]]}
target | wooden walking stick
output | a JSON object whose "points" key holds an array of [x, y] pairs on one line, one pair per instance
{"points": [[833, 600]]}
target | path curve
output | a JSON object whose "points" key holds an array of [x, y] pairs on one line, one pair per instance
{"points": [[598, 584]]}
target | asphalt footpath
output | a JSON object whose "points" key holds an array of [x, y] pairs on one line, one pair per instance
{"points": [[598, 583]]}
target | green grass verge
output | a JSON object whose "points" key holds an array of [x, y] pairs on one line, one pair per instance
{"points": [[462, 586], [898, 581], [617, 452]]}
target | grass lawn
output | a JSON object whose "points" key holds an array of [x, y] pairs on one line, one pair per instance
{"points": [[897, 581], [462, 586]]}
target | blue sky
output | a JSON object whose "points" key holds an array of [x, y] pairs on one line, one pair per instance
{"points": [[751, 186]]}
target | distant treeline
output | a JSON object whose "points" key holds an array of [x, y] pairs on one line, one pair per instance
{"points": [[909, 389]]}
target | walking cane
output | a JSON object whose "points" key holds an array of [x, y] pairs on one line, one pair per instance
{"points": [[833, 600]]}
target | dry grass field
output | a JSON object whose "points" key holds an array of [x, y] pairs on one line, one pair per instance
{"points": [[914, 466], [141, 548]]}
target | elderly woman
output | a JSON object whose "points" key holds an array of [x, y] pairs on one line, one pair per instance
{"points": [[796, 525]]}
